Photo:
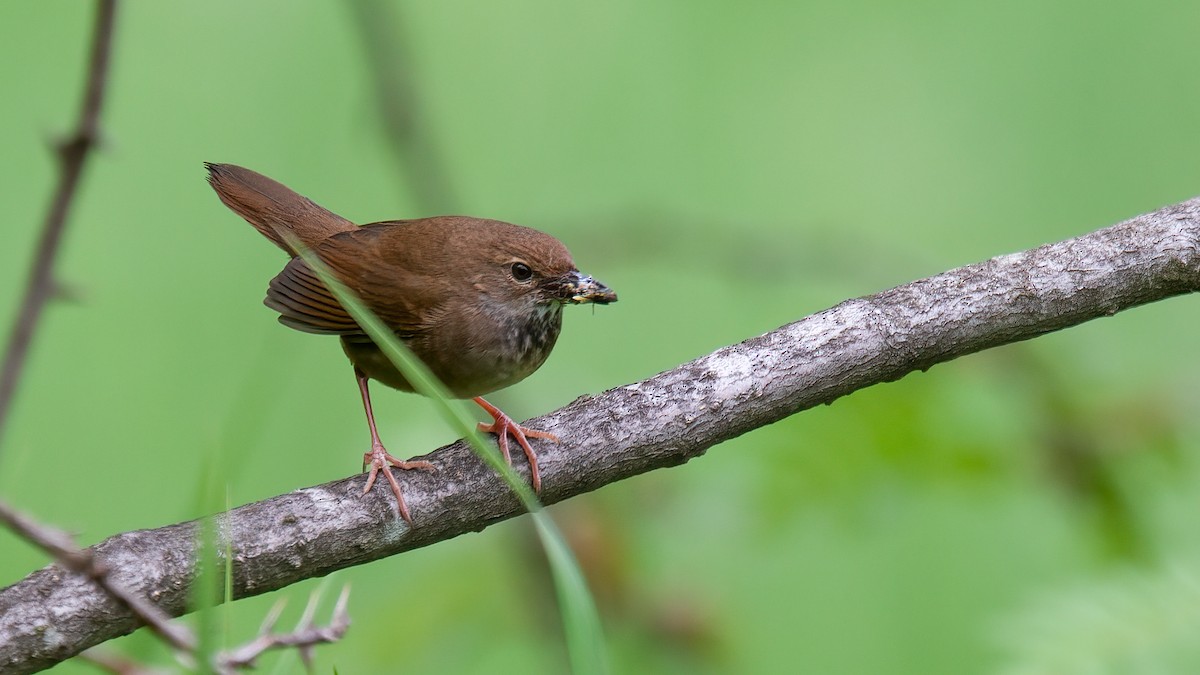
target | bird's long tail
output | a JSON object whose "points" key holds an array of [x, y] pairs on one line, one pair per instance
{"points": [[271, 206]]}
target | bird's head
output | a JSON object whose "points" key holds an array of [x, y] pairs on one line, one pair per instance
{"points": [[529, 267]]}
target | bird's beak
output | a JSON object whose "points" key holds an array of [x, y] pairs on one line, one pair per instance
{"points": [[577, 288]]}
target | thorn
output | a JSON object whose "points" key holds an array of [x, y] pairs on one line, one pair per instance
{"points": [[272, 617]]}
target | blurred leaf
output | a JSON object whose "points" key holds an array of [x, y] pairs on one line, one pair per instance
{"points": [[1136, 621]]}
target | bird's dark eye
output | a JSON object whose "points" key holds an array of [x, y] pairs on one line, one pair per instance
{"points": [[521, 272]]}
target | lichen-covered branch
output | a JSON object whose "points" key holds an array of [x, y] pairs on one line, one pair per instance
{"points": [[85, 564], [663, 421]]}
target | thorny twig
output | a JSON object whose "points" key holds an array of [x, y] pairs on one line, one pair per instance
{"points": [[303, 638], [72, 155], [82, 561]]}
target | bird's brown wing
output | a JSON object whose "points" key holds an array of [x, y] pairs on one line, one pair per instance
{"points": [[305, 304], [385, 284]]}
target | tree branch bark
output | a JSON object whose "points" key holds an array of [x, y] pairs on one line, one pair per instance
{"points": [[659, 422]]}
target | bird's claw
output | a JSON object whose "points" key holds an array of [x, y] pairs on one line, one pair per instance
{"points": [[380, 462], [504, 426]]}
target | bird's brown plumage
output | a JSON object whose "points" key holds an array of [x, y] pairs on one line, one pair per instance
{"points": [[269, 205], [478, 301]]}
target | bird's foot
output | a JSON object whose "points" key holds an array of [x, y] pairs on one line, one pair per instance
{"points": [[504, 426], [380, 462]]}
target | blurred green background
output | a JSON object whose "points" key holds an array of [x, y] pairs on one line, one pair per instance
{"points": [[728, 168]]}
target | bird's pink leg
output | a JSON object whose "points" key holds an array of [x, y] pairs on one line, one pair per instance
{"points": [[378, 457], [503, 426]]}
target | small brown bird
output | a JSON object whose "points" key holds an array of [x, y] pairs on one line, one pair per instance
{"points": [[478, 301]]}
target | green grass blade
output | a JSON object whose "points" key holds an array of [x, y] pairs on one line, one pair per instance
{"points": [[213, 496], [581, 622], [211, 624]]}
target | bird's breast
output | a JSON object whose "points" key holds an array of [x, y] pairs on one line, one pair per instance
{"points": [[473, 355], [522, 341]]}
